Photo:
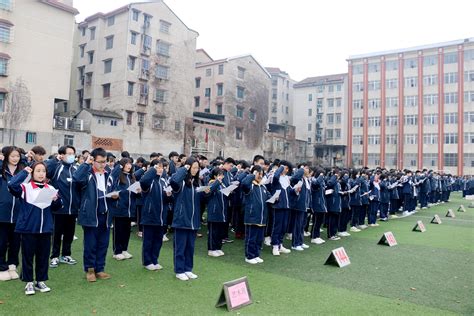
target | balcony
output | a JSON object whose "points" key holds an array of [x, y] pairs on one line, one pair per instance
{"points": [[70, 124]]}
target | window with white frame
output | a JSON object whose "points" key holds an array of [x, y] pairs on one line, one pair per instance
{"points": [[411, 139], [68, 140], [450, 118], [430, 60], [469, 117], [357, 140], [430, 99], [165, 26], [430, 139], [358, 86], [111, 20], [391, 83], [411, 82], [30, 138], [239, 112], [430, 119], [238, 133], [391, 65], [373, 67], [158, 122], [392, 120], [469, 55], [109, 42], [357, 104], [2, 102], [357, 69], [451, 98], [329, 134], [107, 66], [374, 103], [469, 76], [374, 139], [160, 95], [451, 159], [411, 63], [141, 119], [411, 120], [338, 118], [162, 48], [374, 85], [450, 138], [252, 115], [161, 72], [411, 101], [468, 138], [330, 118], [374, 121], [240, 72], [330, 103], [338, 102], [391, 139], [450, 77], [5, 33], [357, 122], [430, 80], [391, 102], [3, 66], [451, 58], [337, 133], [468, 96]]}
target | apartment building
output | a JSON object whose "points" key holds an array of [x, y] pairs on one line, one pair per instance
{"points": [[281, 109], [35, 67], [413, 108]]}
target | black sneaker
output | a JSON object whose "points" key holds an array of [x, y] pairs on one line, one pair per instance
{"points": [[227, 241], [42, 287], [67, 260]]}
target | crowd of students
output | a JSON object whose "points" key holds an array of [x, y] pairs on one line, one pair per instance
{"points": [[263, 202]]}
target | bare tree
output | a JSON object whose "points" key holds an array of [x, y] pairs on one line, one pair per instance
{"points": [[17, 108]]}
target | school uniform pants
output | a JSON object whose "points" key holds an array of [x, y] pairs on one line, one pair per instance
{"points": [[309, 216], [238, 220], [406, 202], [298, 228], [423, 199], [121, 234], [344, 219], [216, 232], [96, 242], [291, 222], [139, 218], [184, 240], [64, 228], [383, 210], [35, 247], [356, 209], [363, 213], [269, 227], [152, 242], [280, 223], [333, 222], [253, 240], [9, 245], [373, 208], [318, 222]]}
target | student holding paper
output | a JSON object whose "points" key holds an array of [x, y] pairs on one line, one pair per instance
{"points": [[155, 213], [186, 217], [216, 214], [35, 224], [318, 205], [333, 203], [301, 198], [255, 213], [346, 212], [123, 208]]}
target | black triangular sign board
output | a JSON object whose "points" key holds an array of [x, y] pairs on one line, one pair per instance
{"points": [[461, 208], [436, 220], [419, 227], [235, 294], [388, 239], [450, 213], [331, 260], [338, 257]]}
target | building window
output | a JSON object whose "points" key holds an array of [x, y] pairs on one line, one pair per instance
{"points": [[411, 139], [101, 121], [162, 48], [338, 118], [130, 88], [141, 119], [240, 92], [469, 117], [357, 69], [468, 96], [111, 20], [106, 90], [68, 140], [164, 26], [430, 60], [392, 120], [161, 72], [430, 119], [238, 133], [450, 118], [107, 66], [358, 86], [240, 72], [160, 95], [411, 101], [133, 37], [374, 140], [357, 122], [430, 139], [252, 115], [129, 117], [430, 80], [109, 42], [92, 33], [219, 108], [207, 92], [469, 76], [411, 119], [3, 66], [450, 138], [450, 77], [357, 104], [220, 89], [338, 102], [221, 70], [411, 63], [177, 126], [310, 127], [319, 103], [374, 103], [391, 139], [310, 97], [330, 103], [158, 122], [411, 82], [357, 140], [310, 112], [451, 159], [81, 50], [451, 58], [391, 83], [468, 138], [391, 102], [329, 134], [430, 99], [131, 62], [198, 82], [239, 112], [146, 44], [330, 119], [83, 31], [197, 101], [2, 102], [339, 87], [208, 72], [374, 85], [391, 65], [374, 121], [451, 98], [113, 122], [6, 5], [30, 138], [87, 103], [90, 54], [330, 88], [135, 15]]}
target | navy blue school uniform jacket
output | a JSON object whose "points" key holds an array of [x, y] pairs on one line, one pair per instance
{"points": [[85, 180], [318, 200], [374, 195], [217, 205], [364, 188], [384, 192], [156, 202], [187, 209], [237, 195], [300, 201], [354, 197], [31, 218], [60, 176], [333, 200], [9, 205], [407, 186], [255, 206], [394, 190], [125, 205], [344, 188], [277, 184]]}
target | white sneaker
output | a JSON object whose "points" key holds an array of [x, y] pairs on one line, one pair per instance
{"points": [[424, 208], [119, 257], [259, 260], [340, 234], [305, 246], [284, 250], [335, 238], [275, 251], [133, 224], [158, 266], [372, 225], [297, 248], [191, 275], [6, 276], [127, 255], [42, 287], [75, 238], [54, 263], [376, 224], [182, 277], [344, 234], [289, 236], [220, 252], [406, 213], [307, 234], [150, 267], [29, 288], [318, 241], [268, 241], [393, 216], [251, 261], [363, 226], [321, 230], [12, 271], [212, 253], [354, 229], [165, 238]]}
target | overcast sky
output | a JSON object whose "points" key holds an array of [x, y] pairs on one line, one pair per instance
{"points": [[312, 37]]}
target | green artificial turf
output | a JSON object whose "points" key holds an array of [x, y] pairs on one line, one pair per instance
{"points": [[426, 273]]}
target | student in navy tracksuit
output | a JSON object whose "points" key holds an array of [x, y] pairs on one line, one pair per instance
{"points": [[281, 181], [374, 200], [229, 173], [216, 214], [9, 208], [407, 191], [60, 171], [35, 224], [155, 213], [123, 207], [301, 201], [255, 213], [333, 203], [186, 217], [364, 196], [93, 181], [346, 212], [318, 205], [355, 202]]}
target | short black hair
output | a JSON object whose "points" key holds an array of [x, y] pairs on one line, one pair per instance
{"points": [[257, 158], [98, 152], [230, 160], [62, 149], [85, 151], [125, 154], [38, 150], [173, 154]]}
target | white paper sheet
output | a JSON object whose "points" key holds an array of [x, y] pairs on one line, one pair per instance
{"points": [[109, 195], [298, 185], [203, 172], [228, 190], [45, 198], [274, 197], [168, 189], [327, 192], [135, 187], [202, 188], [235, 183]]}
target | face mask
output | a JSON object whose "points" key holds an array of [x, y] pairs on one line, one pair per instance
{"points": [[70, 159]]}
